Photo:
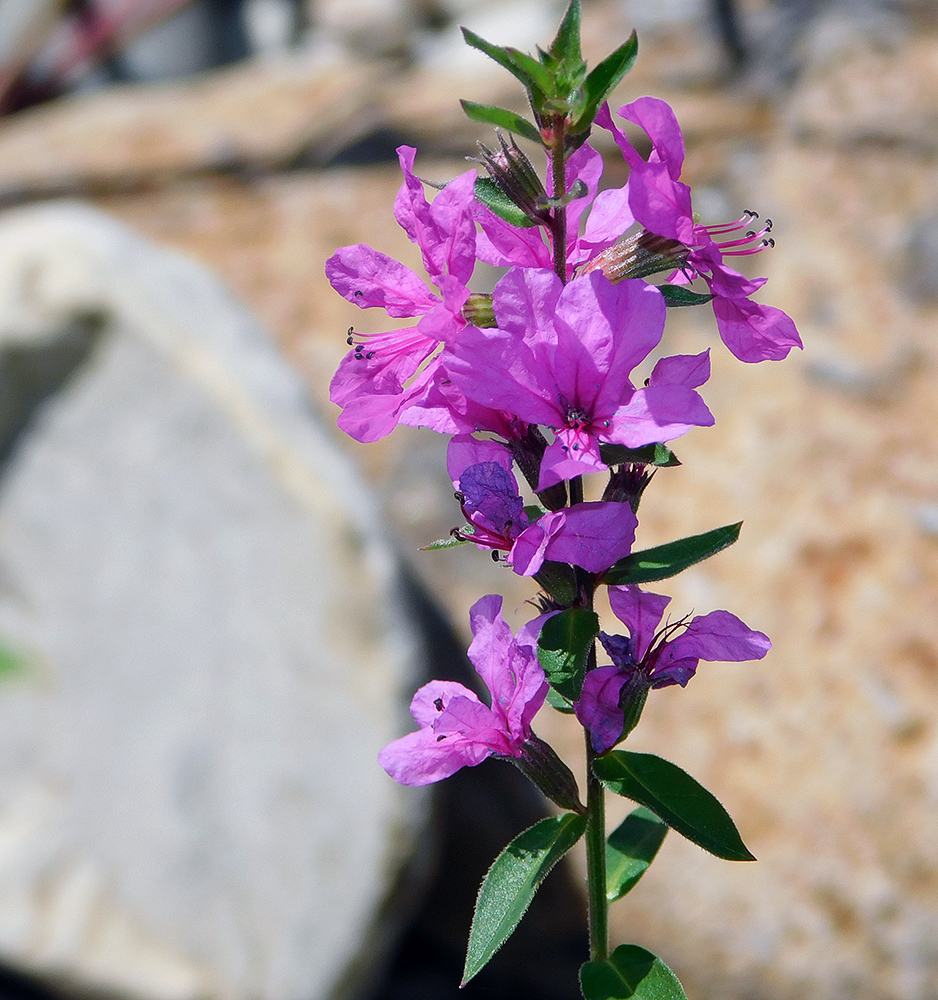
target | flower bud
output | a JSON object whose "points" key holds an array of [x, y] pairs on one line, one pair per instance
{"points": [[517, 179], [638, 256], [627, 484]]}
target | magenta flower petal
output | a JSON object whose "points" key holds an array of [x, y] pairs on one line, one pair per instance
{"points": [[503, 245], [593, 535], [444, 229], [608, 220], [691, 370], [658, 413], [465, 450], [510, 671], [660, 124], [719, 636], [640, 611], [369, 278], [754, 332], [598, 707], [660, 203], [590, 535], [456, 729]]}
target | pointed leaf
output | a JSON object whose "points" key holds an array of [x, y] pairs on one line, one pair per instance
{"points": [[675, 797], [492, 196], [602, 80], [566, 44], [563, 647], [501, 118], [556, 700], [499, 54], [630, 972], [668, 560], [649, 454], [523, 63], [630, 849], [680, 295], [450, 542], [511, 882]]}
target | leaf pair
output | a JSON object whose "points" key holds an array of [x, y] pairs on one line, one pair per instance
{"points": [[557, 82]]}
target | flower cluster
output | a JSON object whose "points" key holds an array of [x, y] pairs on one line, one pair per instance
{"points": [[553, 370], [559, 374]]}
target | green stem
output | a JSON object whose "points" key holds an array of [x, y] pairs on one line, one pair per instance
{"points": [[559, 178], [596, 862]]}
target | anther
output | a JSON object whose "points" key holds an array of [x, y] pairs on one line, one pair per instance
{"points": [[438, 704]]}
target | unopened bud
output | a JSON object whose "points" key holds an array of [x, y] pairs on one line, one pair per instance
{"points": [[517, 179], [638, 256]]}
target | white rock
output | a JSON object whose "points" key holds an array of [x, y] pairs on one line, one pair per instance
{"points": [[212, 641]]}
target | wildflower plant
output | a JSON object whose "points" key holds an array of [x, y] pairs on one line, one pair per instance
{"points": [[537, 382]]}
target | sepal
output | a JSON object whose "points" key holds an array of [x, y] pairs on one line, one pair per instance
{"points": [[540, 763]]}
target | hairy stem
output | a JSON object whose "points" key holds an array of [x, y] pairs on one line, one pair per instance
{"points": [[596, 862], [559, 214]]}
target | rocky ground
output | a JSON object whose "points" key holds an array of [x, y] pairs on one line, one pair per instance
{"points": [[826, 753]]}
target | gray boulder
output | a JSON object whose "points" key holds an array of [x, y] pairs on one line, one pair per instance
{"points": [[203, 640]]}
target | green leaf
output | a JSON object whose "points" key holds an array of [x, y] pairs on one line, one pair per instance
{"points": [[501, 118], [528, 71], [630, 972], [499, 54], [650, 454], [668, 560], [542, 77], [675, 797], [511, 882], [450, 542], [563, 647], [630, 849], [556, 700], [602, 80], [679, 295], [565, 47], [492, 196]]}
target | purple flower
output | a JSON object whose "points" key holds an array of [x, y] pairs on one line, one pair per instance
{"points": [[652, 658], [456, 728], [561, 356], [593, 536], [389, 373], [661, 203]]}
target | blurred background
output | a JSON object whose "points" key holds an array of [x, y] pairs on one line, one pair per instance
{"points": [[254, 138]]}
